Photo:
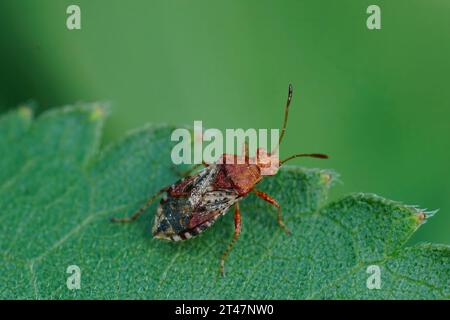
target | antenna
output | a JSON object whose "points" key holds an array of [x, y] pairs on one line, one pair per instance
{"points": [[286, 115], [312, 155]]}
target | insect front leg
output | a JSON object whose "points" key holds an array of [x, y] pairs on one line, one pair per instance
{"points": [[141, 210], [245, 151], [237, 231], [274, 202]]}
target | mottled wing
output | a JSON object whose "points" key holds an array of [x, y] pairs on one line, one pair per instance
{"points": [[192, 206], [202, 183], [214, 204]]}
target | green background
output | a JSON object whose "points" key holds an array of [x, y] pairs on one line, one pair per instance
{"points": [[377, 102]]}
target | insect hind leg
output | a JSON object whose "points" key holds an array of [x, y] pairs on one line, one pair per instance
{"points": [[237, 232], [141, 210], [273, 202]]}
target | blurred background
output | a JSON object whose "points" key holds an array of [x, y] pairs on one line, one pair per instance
{"points": [[378, 102]]}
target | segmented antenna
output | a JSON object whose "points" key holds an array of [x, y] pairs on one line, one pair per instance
{"points": [[312, 155], [286, 113]]}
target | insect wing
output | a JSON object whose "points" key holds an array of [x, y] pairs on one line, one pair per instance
{"points": [[192, 206], [214, 203], [202, 184]]}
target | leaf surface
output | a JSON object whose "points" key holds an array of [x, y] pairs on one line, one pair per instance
{"points": [[58, 191]]}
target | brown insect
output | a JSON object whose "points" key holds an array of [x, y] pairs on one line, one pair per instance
{"points": [[195, 202]]}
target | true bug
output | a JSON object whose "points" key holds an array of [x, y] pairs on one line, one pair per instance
{"points": [[194, 203]]}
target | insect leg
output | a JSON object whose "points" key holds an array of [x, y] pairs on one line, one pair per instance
{"points": [[245, 151], [273, 202], [237, 231], [141, 210]]}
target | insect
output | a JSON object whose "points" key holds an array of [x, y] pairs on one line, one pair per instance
{"points": [[194, 203]]}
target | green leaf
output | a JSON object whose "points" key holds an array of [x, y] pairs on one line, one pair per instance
{"points": [[58, 191]]}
